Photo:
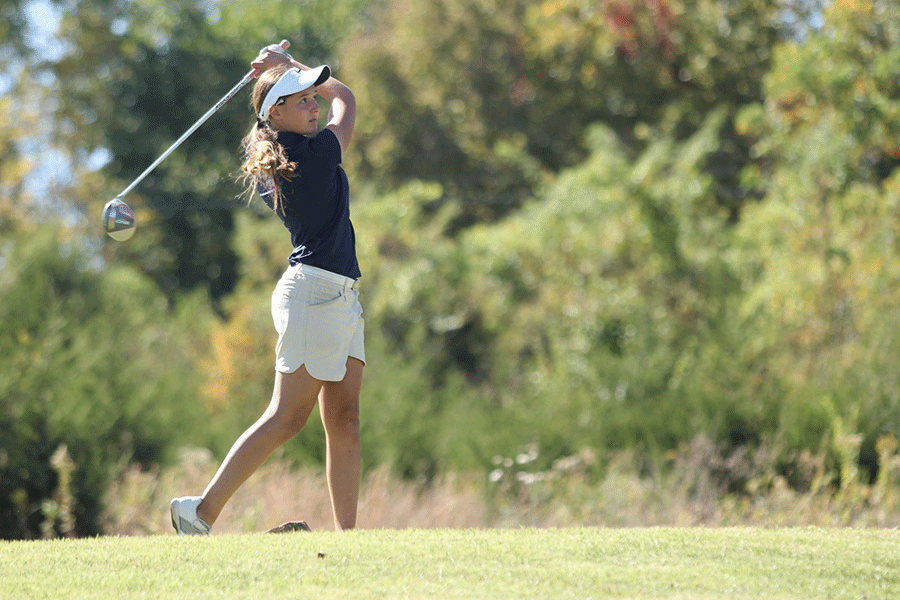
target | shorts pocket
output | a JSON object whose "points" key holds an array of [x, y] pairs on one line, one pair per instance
{"points": [[331, 326], [321, 294]]}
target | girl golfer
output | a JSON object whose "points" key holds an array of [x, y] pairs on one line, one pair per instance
{"points": [[315, 305]]}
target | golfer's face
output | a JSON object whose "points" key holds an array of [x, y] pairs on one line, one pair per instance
{"points": [[299, 113]]}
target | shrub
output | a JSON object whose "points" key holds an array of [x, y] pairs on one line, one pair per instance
{"points": [[89, 364]]}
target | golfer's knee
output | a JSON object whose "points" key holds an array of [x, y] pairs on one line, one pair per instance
{"points": [[344, 423], [286, 426]]}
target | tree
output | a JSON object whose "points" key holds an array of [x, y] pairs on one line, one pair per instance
{"points": [[819, 253], [90, 363], [484, 96], [437, 86]]}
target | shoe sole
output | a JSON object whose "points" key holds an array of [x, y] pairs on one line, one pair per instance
{"points": [[172, 515]]}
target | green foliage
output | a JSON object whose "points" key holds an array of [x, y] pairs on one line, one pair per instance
{"points": [[13, 165], [630, 306], [542, 307], [448, 106], [89, 363], [604, 225], [497, 94], [818, 254]]}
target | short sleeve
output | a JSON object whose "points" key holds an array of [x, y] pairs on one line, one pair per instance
{"points": [[326, 145]]}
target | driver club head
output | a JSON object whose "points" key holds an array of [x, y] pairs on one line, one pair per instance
{"points": [[118, 220]]}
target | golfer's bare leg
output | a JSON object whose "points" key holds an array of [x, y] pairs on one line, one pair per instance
{"points": [[339, 405], [292, 402]]}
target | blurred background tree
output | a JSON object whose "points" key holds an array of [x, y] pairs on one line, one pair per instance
{"points": [[494, 93], [614, 224]]}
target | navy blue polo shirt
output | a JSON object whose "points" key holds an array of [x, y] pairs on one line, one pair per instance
{"points": [[316, 204]]}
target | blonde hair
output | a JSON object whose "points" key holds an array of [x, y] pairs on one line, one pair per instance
{"points": [[265, 162]]}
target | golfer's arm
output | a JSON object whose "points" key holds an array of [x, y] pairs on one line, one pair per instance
{"points": [[342, 114]]}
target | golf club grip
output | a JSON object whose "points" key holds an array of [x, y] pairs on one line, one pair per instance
{"points": [[187, 133]]}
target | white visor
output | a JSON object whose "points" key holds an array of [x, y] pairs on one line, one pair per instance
{"points": [[293, 81]]}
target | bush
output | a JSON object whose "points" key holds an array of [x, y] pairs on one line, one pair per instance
{"points": [[90, 371]]}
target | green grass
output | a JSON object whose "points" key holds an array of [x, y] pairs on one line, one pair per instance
{"points": [[487, 564]]}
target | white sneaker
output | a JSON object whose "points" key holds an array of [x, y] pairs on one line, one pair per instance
{"points": [[184, 516]]}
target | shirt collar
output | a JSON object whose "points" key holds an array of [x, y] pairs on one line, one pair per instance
{"points": [[289, 138]]}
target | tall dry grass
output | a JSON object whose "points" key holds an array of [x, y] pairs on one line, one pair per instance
{"points": [[138, 501], [691, 489]]}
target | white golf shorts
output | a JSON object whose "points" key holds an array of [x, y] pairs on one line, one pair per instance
{"points": [[319, 321]]}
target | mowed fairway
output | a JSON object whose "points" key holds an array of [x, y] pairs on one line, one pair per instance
{"points": [[488, 564]]}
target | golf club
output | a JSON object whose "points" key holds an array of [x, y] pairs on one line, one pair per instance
{"points": [[118, 218]]}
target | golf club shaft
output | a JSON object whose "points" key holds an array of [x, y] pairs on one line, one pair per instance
{"points": [[187, 133]]}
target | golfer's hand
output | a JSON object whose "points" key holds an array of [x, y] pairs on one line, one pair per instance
{"points": [[269, 57]]}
